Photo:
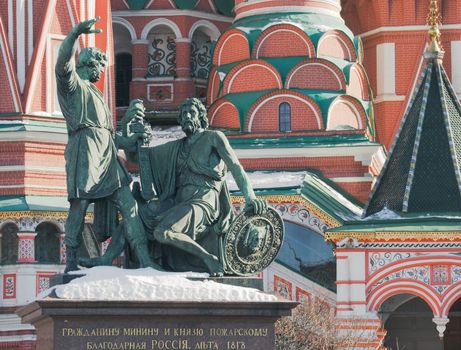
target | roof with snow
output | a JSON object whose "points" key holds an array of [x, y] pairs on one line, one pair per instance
{"points": [[422, 173]]}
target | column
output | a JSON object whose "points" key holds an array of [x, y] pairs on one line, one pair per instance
{"points": [[184, 86], [26, 247], [62, 249]]}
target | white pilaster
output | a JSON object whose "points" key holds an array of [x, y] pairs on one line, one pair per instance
{"points": [[30, 30], [455, 66], [385, 70], [20, 42], [11, 26]]}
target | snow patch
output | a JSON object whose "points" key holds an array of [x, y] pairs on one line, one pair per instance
{"points": [[112, 283], [270, 180]]}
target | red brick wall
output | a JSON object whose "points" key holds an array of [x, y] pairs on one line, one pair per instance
{"points": [[264, 114], [231, 47], [317, 74], [224, 114], [281, 41], [254, 75], [213, 86]]}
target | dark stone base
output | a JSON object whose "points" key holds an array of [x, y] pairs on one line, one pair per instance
{"points": [[73, 324]]}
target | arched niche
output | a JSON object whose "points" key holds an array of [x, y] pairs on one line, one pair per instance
{"points": [[9, 243], [161, 50], [200, 57], [47, 244], [408, 321]]}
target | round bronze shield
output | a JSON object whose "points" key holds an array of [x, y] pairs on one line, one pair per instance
{"points": [[252, 242]]}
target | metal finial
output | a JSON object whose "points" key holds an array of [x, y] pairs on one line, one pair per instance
{"points": [[433, 20]]}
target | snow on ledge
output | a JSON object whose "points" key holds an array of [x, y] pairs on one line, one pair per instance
{"points": [[112, 283]]}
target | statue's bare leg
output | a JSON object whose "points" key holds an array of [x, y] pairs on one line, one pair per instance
{"points": [[186, 243], [74, 227], [135, 234]]}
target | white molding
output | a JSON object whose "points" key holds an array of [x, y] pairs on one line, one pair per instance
{"points": [[182, 40], [361, 153], [318, 117], [9, 74], [71, 13], [285, 9], [385, 69], [30, 30], [455, 66], [91, 11], [21, 43], [326, 36], [140, 41], [388, 98], [172, 13], [217, 109], [207, 24], [41, 47], [161, 22], [422, 28], [6, 168], [365, 178], [225, 41], [123, 22], [35, 136], [339, 100], [35, 186], [11, 27]]}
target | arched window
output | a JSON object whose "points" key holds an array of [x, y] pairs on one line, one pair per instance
{"points": [[123, 66], [9, 244], [47, 244], [284, 117]]}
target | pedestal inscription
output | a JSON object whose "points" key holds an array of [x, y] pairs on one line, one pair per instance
{"points": [[131, 325], [143, 334]]}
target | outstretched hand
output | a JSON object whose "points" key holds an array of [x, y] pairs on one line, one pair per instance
{"points": [[86, 27], [256, 206]]}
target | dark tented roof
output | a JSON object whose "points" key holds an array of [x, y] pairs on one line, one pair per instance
{"points": [[422, 173]]}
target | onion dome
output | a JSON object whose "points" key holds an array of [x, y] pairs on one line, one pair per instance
{"points": [[423, 171], [289, 66]]}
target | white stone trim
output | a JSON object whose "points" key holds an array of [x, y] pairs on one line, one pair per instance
{"points": [[385, 69], [361, 153], [11, 27], [123, 22], [339, 100], [34, 136], [159, 22], [21, 43], [71, 13], [455, 66], [365, 178], [389, 98], [5, 168], [91, 10], [9, 74], [171, 13], [423, 28], [317, 117], [207, 24], [30, 30], [40, 53], [285, 9], [326, 36]]}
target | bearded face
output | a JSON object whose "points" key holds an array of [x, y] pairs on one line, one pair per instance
{"points": [[189, 119]]}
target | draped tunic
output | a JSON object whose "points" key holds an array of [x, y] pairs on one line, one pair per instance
{"points": [[92, 166]]}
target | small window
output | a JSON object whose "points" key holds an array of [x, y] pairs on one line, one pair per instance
{"points": [[285, 117]]}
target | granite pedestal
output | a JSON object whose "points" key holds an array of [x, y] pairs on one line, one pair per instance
{"points": [[63, 324]]}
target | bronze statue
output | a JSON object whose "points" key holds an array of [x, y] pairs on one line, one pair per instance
{"points": [[94, 173]]}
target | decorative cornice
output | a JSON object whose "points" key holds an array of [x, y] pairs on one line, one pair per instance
{"points": [[294, 199], [395, 236]]}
